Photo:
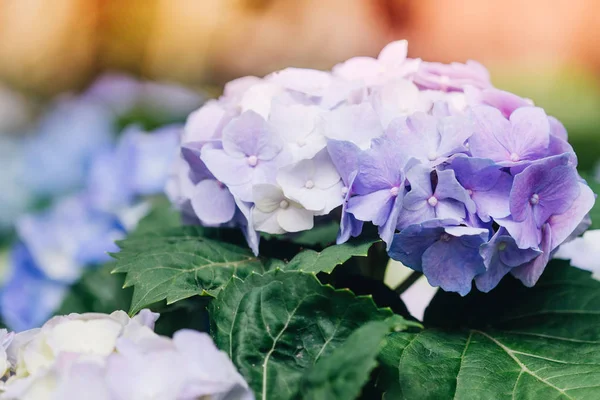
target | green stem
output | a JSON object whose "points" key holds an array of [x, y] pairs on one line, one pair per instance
{"points": [[412, 278]]}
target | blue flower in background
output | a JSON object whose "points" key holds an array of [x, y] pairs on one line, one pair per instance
{"points": [[124, 94], [58, 155], [54, 249], [139, 165], [57, 245], [28, 297], [68, 236], [94, 180], [15, 199], [53, 158]]}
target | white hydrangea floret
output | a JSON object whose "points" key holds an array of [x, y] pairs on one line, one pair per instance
{"points": [[114, 357], [275, 213], [315, 184]]}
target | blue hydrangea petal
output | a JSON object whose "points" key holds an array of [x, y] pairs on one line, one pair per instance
{"points": [[28, 298], [500, 256]]}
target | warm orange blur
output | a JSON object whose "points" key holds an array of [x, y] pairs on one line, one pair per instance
{"points": [[49, 46]]}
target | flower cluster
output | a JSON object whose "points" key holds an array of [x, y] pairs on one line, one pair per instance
{"points": [[76, 152], [114, 357], [478, 182], [55, 245], [51, 156]]}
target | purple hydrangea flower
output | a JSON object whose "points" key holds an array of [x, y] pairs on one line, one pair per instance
{"points": [[500, 256], [429, 139], [446, 199], [446, 253], [379, 187], [391, 63], [250, 155], [397, 143], [345, 156], [205, 124], [505, 102], [212, 202], [209, 199], [358, 124], [554, 232], [523, 138], [452, 77], [487, 184], [543, 189]]}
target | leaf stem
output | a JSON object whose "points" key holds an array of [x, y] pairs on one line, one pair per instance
{"points": [[412, 278]]}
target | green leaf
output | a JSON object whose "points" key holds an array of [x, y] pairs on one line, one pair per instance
{"points": [[362, 285], [161, 216], [97, 291], [190, 313], [513, 343], [328, 259], [342, 374], [320, 236], [178, 264], [277, 325]]}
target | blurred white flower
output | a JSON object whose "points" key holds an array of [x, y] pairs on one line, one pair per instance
{"points": [[583, 252], [114, 357], [94, 335]]}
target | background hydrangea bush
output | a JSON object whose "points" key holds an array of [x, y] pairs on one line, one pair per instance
{"points": [[288, 196], [86, 174]]}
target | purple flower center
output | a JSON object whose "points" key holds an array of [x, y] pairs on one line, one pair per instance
{"points": [[444, 237], [514, 157], [252, 161], [432, 201], [344, 190], [394, 191], [502, 246], [534, 199]]}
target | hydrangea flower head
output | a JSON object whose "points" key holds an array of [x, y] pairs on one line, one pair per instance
{"points": [[114, 357], [464, 182]]}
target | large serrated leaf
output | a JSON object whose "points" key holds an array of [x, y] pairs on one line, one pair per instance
{"points": [[513, 343], [343, 374], [178, 264], [321, 235], [329, 258], [277, 325]]}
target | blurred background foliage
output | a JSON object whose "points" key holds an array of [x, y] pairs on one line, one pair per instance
{"points": [[549, 54]]}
